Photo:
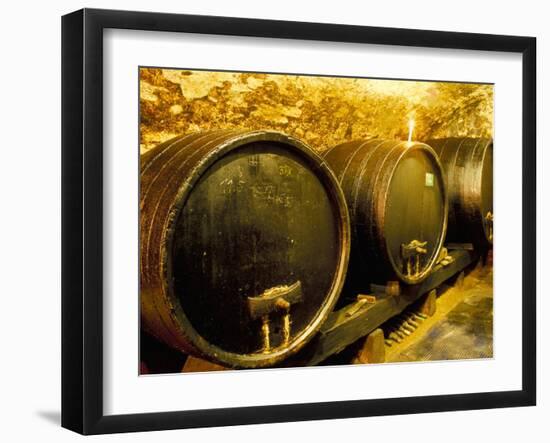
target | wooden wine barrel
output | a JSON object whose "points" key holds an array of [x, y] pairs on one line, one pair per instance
{"points": [[468, 167], [397, 202], [244, 245]]}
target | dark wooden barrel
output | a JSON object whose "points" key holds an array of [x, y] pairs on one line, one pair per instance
{"points": [[468, 166], [244, 245], [397, 202]]}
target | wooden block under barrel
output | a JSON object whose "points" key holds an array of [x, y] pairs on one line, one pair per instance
{"points": [[428, 303], [196, 364], [373, 350]]}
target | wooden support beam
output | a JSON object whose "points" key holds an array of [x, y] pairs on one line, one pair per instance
{"points": [[359, 318]]}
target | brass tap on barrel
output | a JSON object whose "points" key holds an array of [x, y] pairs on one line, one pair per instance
{"points": [[279, 298], [411, 253]]}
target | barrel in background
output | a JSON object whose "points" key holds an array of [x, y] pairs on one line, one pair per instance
{"points": [[397, 201], [468, 166], [244, 245]]}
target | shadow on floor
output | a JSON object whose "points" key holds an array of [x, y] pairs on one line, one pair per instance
{"points": [[54, 417]]}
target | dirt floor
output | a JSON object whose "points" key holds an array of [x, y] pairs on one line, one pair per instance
{"points": [[461, 328]]}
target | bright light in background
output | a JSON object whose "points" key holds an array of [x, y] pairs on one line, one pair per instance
{"points": [[411, 129]]}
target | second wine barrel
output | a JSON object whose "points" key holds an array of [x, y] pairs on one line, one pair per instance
{"points": [[244, 245], [397, 201]]}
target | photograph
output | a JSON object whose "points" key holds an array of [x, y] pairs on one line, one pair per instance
{"points": [[291, 220]]}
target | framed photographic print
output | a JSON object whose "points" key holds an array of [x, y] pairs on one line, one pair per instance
{"points": [[269, 221]]}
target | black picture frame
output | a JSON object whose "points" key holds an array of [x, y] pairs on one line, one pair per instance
{"points": [[82, 220]]}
